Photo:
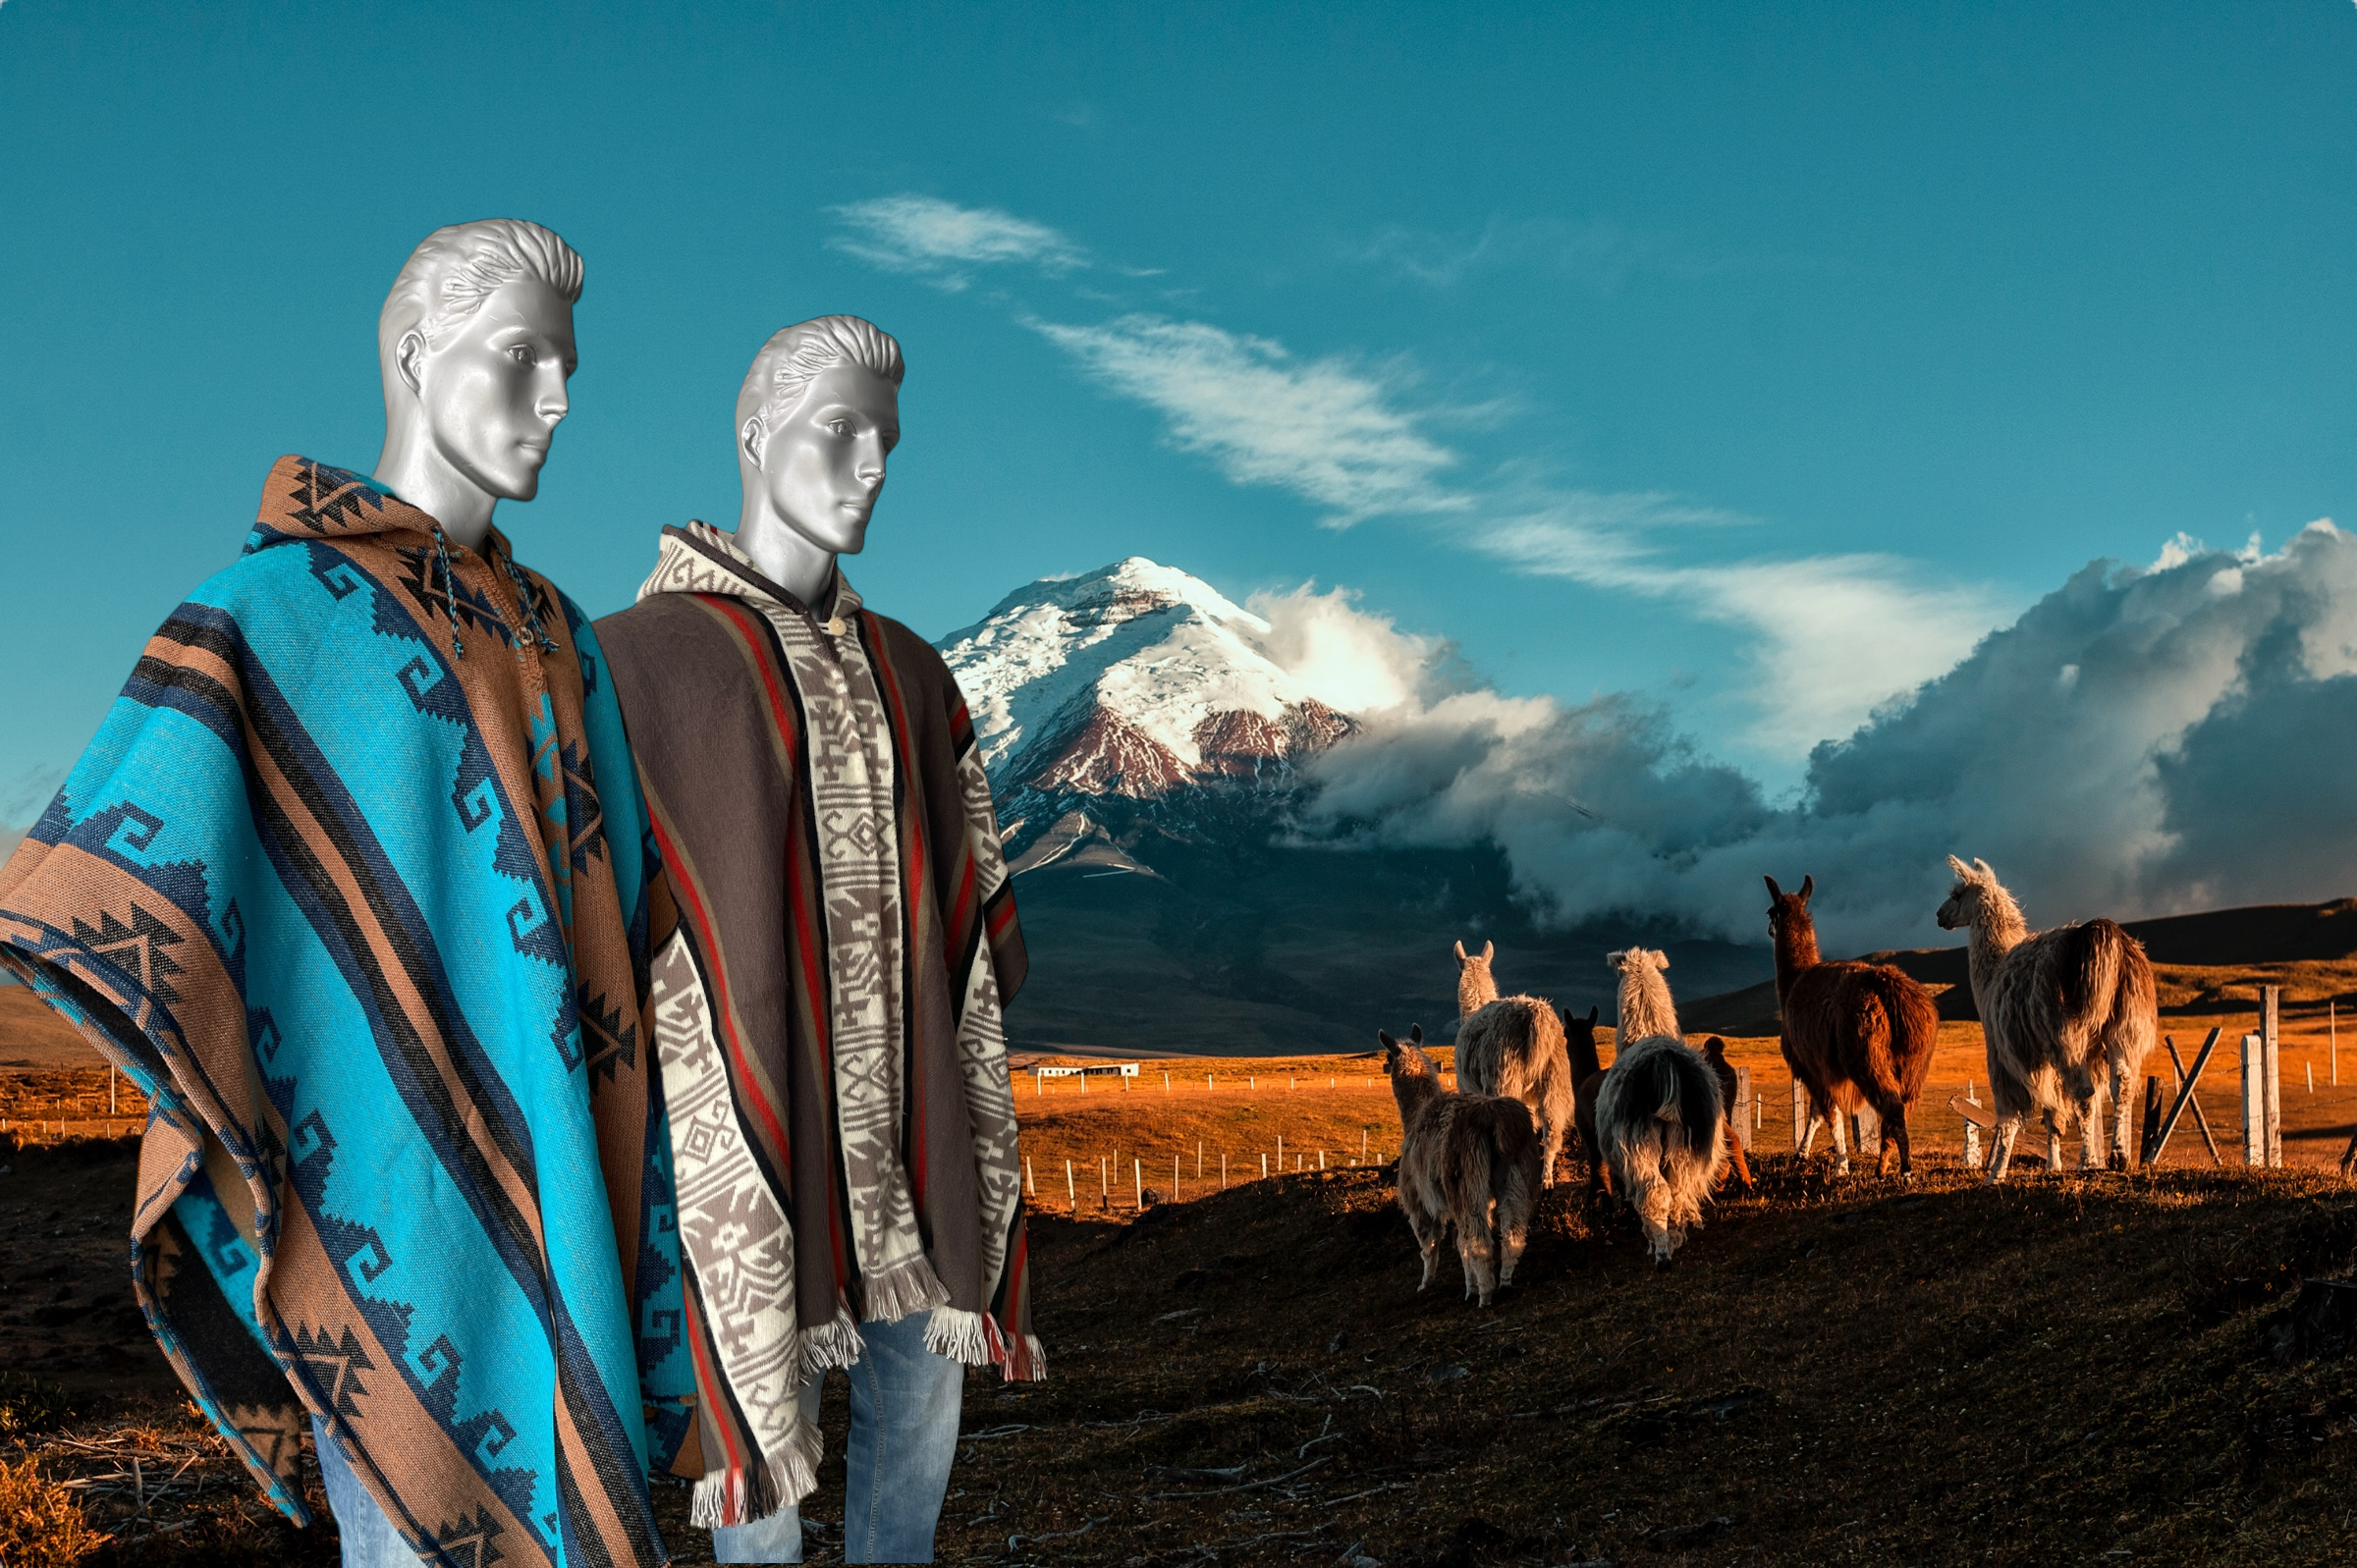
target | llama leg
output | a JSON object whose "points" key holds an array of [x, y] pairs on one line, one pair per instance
{"points": [[2001, 1152], [2091, 1112], [1808, 1137], [1514, 1232], [1427, 1231], [1473, 1251], [1840, 1142], [1906, 1150], [2119, 1117]]}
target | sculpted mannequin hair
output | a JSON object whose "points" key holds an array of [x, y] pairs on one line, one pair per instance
{"points": [[453, 270], [788, 363]]}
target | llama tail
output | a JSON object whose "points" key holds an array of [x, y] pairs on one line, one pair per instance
{"points": [[2134, 1024]]}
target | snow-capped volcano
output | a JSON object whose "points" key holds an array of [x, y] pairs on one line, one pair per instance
{"points": [[1136, 682]]}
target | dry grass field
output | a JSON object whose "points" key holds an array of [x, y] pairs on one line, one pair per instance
{"points": [[2096, 1368]]}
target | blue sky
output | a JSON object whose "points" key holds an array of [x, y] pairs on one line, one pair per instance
{"points": [[1754, 359]]}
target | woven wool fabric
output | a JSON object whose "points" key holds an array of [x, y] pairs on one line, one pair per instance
{"points": [[828, 1016], [368, 919]]}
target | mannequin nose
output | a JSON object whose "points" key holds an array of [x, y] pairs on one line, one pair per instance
{"points": [[553, 405]]}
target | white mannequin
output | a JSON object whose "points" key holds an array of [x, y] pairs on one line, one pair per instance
{"points": [[815, 424], [476, 346]]}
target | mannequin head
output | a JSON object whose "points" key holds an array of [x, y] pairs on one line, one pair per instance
{"points": [[476, 345], [816, 418]]}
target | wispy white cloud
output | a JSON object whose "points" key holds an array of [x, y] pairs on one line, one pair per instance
{"points": [[1602, 255], [1829, 637], [937, 240], [1330, 430]]}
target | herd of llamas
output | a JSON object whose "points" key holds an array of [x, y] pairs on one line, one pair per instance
{"points": [[2067, 1016]]}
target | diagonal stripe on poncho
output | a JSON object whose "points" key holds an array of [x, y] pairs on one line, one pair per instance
{"points": [[829, 1015], [368, 920]]}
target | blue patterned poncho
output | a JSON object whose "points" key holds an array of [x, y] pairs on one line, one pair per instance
{"points": [[356, 883]]}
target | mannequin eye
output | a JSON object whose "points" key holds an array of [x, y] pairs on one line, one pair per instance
{"points": [[842, 427], [522, 354]]}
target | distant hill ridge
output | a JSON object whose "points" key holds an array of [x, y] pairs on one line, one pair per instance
{"points": [[2274, 938]]}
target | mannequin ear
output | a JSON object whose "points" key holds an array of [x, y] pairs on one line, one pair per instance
{"points": [[749, 441], [407, 355]]}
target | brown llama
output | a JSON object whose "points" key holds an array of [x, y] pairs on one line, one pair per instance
{"points": [[1514, 1045], [1467, 1162], [2055, 1008], [1587, 1079], [1853, 1033], [1714, 1056]]}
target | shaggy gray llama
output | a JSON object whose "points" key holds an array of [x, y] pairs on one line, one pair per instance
{"points": [[1664, 1131], [1514, 1045], [1469, 1161]]}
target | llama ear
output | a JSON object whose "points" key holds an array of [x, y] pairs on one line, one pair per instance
{"points": [[1488, 950], [1661, 959], [1808, 884], [1594, 1013], [1982, 866], [1961, 870], [1611, 960], [1774, 892], [1389, 1044], [1415, 1034], [1460, 952]]}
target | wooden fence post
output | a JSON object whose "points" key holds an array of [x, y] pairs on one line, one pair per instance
{"points": [[2254, 1104], [1972, 1129], [1868, 1130], [2269, 997], [1738, 1114], [1800, 1113]]}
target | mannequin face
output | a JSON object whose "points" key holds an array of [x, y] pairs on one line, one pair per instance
{"points": [[490, 395], [822, 465]]}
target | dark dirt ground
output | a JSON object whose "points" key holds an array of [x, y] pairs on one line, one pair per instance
{"points": [[2071, 1369]]}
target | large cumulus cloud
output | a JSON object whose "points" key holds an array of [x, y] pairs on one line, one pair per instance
{"points": [[2143, 741]]}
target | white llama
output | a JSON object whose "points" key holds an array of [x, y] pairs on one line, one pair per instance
{"points": [[2055, 1007]]}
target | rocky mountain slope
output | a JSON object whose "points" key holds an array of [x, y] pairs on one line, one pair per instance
{"points": [[1144, 736]]}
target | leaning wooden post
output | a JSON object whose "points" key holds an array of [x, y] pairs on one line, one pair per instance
{"points": [[2333, 1035], [2150, 1141], [2269, 998], [1072, 1193], [2254, 1104], [1137, 1175]]}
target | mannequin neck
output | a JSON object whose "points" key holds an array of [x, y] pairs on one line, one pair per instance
{"points": [[785, 556], [412, 470]]}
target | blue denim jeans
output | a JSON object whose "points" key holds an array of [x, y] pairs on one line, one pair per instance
{"points": [[906, 1402], [367, 1537]]}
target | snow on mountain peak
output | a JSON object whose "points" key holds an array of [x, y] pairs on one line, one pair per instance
{"points": [[1130, 679]]}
